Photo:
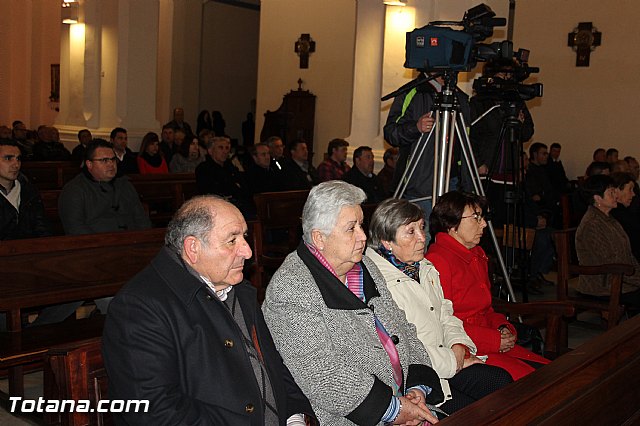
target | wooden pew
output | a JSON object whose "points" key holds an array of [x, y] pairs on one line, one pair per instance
{"points": [[280, 216], [568, 267], [596, 384], [164, 193], [55, 270], [50, 174], [161, 194], [553, 316], [76, 372], [50, 201]]}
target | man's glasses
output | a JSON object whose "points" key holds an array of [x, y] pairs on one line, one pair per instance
{"points": [[476, 215], [105, 160]]}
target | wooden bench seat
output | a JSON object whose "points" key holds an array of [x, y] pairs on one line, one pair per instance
{"points": [[56, 270], [50, 174], [161, 195], [76, 372], [31, 344], [596, 384]]}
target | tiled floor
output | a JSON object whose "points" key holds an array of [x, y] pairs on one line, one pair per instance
{"points": [[579, 332]]}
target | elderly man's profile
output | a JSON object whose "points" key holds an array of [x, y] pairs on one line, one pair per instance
{"points": [[186, 333]]}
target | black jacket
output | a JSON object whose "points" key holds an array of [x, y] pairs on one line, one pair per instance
{"points": [[485, 135], [128, 165], [400, 130], [261, 180], [168, 340], [226, 181], [297, 179], [370, 185], [29, 221]]}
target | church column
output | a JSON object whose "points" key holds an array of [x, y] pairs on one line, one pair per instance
{"points": [[365, 118], [109, 69]]}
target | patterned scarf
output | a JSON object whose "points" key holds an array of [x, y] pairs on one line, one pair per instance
{"points": [[412, 270]]}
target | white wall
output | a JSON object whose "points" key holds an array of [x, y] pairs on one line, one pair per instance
{"points": [[332, 25], [584, 107]]}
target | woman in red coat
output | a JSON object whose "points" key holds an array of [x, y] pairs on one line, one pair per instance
{"points": [[150, 160], [457, 222]]}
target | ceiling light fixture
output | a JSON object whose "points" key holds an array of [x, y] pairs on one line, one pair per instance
{"points": [[70, 9], [395, 2]]}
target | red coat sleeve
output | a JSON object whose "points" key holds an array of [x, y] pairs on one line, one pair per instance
{"points": [[486, 336]]}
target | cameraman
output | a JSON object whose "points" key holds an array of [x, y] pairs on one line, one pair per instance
{"points": [[494, 152], [412, 114]]}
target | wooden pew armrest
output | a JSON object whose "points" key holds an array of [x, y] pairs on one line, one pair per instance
{"points": [[609, 268], [561, 309]]}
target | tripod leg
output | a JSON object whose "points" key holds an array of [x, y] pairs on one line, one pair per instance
{"points": [[412, 164], [467, 152]]}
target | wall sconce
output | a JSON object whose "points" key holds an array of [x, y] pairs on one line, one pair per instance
{"points": [[70, 9], [395, 2]]}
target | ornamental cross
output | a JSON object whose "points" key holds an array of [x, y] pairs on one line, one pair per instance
{"points": [[304, 46], [584, 40]]}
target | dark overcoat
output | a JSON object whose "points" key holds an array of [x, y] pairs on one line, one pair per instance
{"points": [[168, 340]]}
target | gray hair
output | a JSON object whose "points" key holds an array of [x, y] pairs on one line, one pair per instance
{"points": [[215, 139], [195, 218], [390, 215], [324, 204]]}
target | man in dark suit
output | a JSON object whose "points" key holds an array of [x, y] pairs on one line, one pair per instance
{"points": [[298, 171], [362, 176], [125, 158], [555, 169], [187, 334]]}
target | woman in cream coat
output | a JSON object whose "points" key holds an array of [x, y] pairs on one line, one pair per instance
{"points": [[396, 246]]}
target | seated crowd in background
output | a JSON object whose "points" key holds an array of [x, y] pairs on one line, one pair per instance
{"points": [[238, 173], [434, 361]]}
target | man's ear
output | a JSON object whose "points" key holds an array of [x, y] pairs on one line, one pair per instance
{"points": [[191, 249], [318, 239]]}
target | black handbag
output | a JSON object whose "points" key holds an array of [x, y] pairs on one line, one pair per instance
{"points": [[529, 337]]}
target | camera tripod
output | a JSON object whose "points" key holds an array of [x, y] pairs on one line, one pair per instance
{"points": [[448, 124], [508, 186]]}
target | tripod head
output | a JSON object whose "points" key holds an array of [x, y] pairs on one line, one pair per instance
{"points": [[449, 82]]}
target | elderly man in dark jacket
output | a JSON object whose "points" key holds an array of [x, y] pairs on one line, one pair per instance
{"points": [[21, 208], [186, 333]]}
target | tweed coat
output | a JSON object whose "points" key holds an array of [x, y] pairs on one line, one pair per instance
{"points": [[601, 239], [426, 307], [170, 341], [328, 340]]}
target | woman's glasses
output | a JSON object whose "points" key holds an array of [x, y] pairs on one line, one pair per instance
{"points": [[476, 215]]}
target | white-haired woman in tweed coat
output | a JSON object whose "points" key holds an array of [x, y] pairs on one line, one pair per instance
{"points": [[347, 344]]}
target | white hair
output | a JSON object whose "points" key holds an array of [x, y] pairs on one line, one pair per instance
{"points": [[324, 204]]}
